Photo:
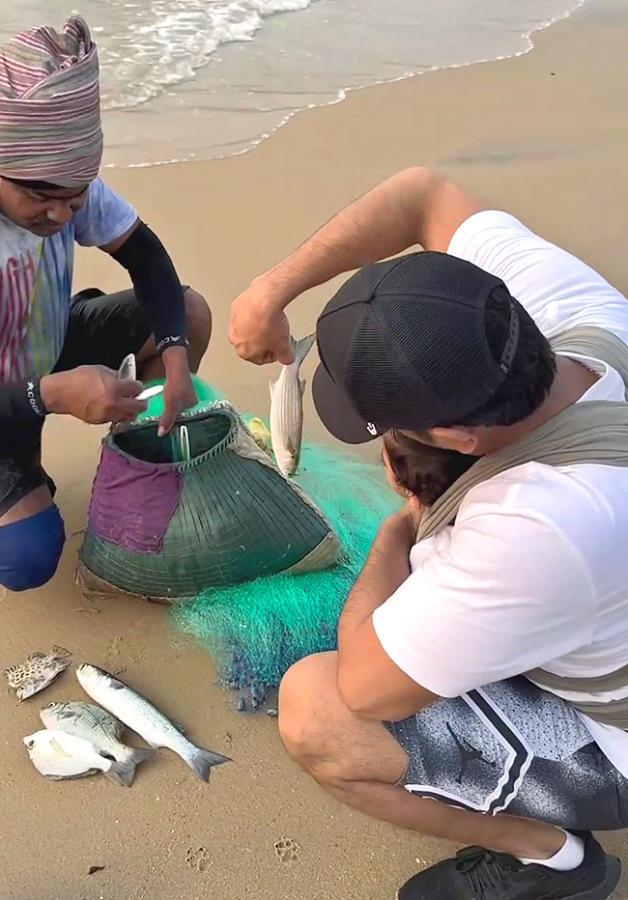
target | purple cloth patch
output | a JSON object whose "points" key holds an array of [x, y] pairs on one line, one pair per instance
{"points": [[133, 502]]}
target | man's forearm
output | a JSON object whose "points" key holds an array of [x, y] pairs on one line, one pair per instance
{"points": [[385, 221], [386, 568], [156, 284], [21, 401]]}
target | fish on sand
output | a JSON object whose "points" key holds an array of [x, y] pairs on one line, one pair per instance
{"points": [[142, 717], [286, 409], [96, 725], [37, 672], [59, 755]]}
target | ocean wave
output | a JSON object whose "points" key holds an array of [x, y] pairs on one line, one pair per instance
{"points": [[148, 48]]}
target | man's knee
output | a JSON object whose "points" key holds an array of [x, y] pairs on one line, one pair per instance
{"points": [[306, 723], [199, 319], [30, 550]]}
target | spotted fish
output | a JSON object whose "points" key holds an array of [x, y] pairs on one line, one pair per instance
{"points": [[286, 409], [37, 672]]}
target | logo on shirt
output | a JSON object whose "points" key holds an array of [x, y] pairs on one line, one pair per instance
{"points": [[372, 429]]}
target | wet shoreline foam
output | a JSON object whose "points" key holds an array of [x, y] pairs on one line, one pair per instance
{"points": [[185, 80], [220, 129]]}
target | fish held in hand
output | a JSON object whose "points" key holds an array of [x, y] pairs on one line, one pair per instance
{"points": [[286, 409], [37, 672], [58, 755], [145, 719], [100, 728]]}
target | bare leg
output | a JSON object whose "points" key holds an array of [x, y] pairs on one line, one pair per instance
{"points": [[361, 764], [30, 505], [199, 328]]}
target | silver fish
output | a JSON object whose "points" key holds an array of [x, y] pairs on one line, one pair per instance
{"points": [[142, 717], [60, 755], [128, 368], [151, 391], [180, 444], [286, 409], [37, 672], [97, 726]]}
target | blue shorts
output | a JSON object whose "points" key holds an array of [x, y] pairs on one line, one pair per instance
{"points": [[30, 550], [511, 747], [102, 330]]}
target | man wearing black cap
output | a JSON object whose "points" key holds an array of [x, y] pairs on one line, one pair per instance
{"points": [[424, 717]]}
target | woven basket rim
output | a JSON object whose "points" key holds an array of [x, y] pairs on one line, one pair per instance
{"points": [[221, 408]]}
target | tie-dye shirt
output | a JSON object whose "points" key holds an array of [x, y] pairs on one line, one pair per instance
{"points": [[36, 281]]}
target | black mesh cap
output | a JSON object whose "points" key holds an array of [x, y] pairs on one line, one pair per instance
{"points": [[403, 344]]}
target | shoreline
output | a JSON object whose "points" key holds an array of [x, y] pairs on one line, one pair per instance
{"points": [[543, 135], [528, 37], [213, 214]]}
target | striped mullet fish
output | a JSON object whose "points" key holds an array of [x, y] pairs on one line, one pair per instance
{"points": [[142, 717], [286, 409]]}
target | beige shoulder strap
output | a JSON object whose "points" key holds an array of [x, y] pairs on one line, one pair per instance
{"points": [[593, 432]]}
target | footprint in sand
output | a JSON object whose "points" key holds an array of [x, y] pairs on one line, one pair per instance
{"points": [[287, 850], [135, 651], [113, 650], [197, 858]]}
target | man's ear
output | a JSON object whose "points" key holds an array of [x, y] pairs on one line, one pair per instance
{"points": [[459, 438]]}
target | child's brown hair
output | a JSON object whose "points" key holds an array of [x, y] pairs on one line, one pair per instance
{"points": [[421, 469]]}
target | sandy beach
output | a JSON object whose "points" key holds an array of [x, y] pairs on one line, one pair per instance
{"points": [[544, 135]]}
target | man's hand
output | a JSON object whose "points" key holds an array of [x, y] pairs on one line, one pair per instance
{"points": [[179, 393], [405, 523], [93, 394], [258, 327]]}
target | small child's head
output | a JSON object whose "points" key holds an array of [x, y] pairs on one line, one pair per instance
{"points": [[421, 470]]}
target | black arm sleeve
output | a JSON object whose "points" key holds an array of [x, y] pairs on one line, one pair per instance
{"points": [[157, 286], [20, 400]]}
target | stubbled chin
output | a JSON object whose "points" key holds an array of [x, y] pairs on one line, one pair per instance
{"points": [[45, 231]]}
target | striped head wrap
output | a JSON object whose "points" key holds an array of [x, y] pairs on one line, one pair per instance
{"points": [[50, 106]]}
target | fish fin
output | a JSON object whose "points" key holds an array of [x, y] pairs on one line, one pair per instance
{"points": [[302, 348], [121, 773], [137, 755], [302, 383], [202, 761]]}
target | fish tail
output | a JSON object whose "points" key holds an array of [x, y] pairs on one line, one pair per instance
{"points": [[201, 762], [121, 772], [134, 756], [302, 348]]}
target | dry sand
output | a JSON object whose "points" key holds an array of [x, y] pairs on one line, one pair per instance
{"points": [[545, 136]]}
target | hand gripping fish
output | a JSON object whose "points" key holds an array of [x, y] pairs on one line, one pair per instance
{"points": [[286, 409]]}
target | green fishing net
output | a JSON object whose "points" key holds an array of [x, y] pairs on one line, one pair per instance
{"points": [[256, 630]]}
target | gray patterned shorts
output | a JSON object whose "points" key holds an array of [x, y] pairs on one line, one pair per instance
{"points": [[511, 747]]}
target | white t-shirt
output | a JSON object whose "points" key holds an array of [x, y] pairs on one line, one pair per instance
{"points": [[36, 281], [534, 572]]}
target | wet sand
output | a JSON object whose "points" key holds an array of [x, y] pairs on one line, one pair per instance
{"points": [[546, 137]]}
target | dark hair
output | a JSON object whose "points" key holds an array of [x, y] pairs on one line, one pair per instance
{"points": [[422, 469], [531, 375]]}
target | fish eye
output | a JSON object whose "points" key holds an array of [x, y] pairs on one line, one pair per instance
{"points": [[30, 745]]}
